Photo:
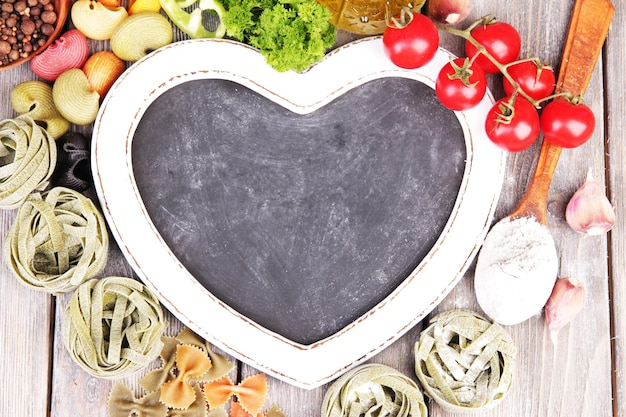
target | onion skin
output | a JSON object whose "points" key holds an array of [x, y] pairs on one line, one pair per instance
{"points": [[69, 51], [102, 69], [448, 12]]}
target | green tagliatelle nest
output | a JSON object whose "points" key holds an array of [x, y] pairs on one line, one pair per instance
{"points": [[113, 326], [374, 390], [464, 362], [58, 241], [27, 159]]}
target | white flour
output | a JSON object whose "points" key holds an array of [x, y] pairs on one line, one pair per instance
{"points": [[516, 270]]}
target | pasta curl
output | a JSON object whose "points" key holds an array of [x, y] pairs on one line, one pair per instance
{"points": [[113, 326], [58, 241]]}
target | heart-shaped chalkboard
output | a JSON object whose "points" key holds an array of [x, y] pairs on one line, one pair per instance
{"points": [[304, 221]]}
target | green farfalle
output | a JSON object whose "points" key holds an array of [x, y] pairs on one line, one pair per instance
{"points": [[464, 362], [27, 159], [58, 241], [112, 327], [122, 403], [374, 390]]}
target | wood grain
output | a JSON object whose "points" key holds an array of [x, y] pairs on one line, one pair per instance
{"points": [[583, 375]]}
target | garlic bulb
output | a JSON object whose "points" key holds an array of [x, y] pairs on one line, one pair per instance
{"points": [[589, 211], [448, 12]]}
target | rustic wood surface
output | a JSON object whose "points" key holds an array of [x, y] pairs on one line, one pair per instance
{"points": [[584, 374]]}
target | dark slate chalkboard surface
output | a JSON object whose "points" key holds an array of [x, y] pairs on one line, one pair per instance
{"points": [[301, 223]]}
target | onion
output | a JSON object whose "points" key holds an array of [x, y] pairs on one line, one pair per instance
{"points": [[449, 12]]}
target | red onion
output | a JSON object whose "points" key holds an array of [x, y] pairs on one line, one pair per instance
{"points": [[449, 12]]}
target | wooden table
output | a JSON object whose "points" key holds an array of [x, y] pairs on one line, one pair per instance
{"points": [[583, 375]]}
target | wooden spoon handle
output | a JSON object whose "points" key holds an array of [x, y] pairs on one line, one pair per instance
{"points": [[587, 31]]}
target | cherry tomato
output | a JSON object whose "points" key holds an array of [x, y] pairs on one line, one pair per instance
{"points": [[459, 86], [413, 45], [513, 128], [567, 124], [500, 39], [537, 81]]}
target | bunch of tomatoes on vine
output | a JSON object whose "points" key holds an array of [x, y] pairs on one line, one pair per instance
{"points": [[491, 47]]}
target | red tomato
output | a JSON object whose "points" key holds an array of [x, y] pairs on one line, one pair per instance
{"points": [[567, 124], [536, 81], [413, 45], [500, 39], [513, 128], [460, 87]]}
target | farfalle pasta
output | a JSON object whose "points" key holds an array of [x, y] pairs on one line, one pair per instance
{"points": [[58, 241], [122, 403], [112, 327], [250, 392], [27, 159], [191, 362], [464, 362], [373, 389]]}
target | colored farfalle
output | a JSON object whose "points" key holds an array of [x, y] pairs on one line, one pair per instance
{"points": [[122, 403], [374, 390], [236, 410], [250, 392], [464, 362], [58, 241], [196, 409], [153, 380], [27, 159], [191, 361], [112, 326]]}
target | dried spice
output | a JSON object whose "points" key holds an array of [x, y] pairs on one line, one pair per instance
{"points": [[190, 362], [113, 326], [374, 390], [250, 392], [464, 362], [27, 159], [58, 241]]}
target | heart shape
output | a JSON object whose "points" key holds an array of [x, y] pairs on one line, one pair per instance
{"points": [[316, 217]]}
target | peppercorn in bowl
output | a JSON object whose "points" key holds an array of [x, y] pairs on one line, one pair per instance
{"points": [[27, 27]]}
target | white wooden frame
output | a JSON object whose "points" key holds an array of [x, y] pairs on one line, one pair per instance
{"points": [[306, 366]]}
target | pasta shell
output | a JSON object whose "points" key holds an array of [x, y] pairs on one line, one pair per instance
{"points": [[141, 34], [95, 20], [74, 98], [69, 51], [34, 98]]}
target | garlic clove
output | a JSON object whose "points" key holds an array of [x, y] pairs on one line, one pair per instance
{"points": [[589, 211], [565, 302], [448, 12]]}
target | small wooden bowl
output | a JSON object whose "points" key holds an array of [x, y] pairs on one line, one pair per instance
{"points": [[62, 9]]}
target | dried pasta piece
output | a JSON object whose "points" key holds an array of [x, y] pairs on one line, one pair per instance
{"points": [[190, 361], [122, 403], [217, 412], [236, 410], [153, 380], [196, 409], [274, 411], [27, 159], [58, 241], [221, 365], [465, 362], [250, 392], [374, 390], [112, 327]]}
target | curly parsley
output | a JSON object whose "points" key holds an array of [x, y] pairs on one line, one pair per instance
{"points": [[291, 34]]}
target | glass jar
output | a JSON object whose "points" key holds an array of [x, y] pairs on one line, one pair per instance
{"points": [[363, 17]]}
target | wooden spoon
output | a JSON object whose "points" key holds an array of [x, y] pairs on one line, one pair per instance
{"points": [[517, 265], [586, 34]]}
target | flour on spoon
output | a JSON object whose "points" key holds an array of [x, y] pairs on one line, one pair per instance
{"points": [[516, 270]]}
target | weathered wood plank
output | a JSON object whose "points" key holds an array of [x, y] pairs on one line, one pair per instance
{"points": [[616, 155]]}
